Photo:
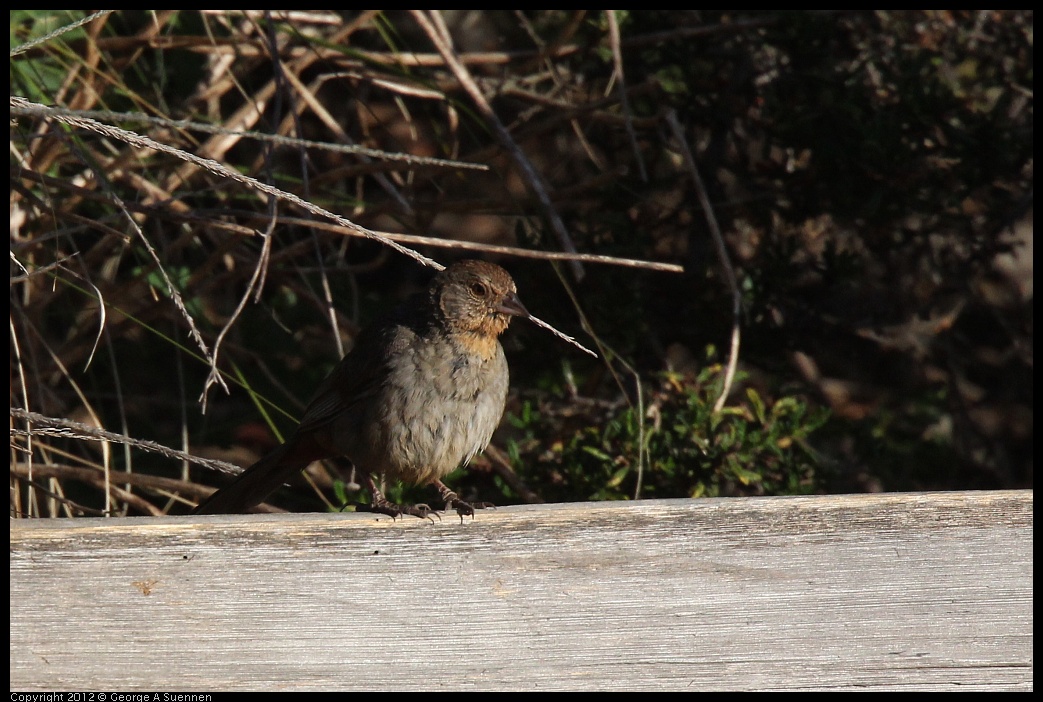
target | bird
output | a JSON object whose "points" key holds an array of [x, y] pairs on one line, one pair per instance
{"points": [[419, 394]]}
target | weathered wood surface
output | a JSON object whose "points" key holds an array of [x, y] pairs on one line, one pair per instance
{"points": [[861, 592]]}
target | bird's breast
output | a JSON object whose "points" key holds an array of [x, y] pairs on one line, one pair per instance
{"points": [[439, 406]]}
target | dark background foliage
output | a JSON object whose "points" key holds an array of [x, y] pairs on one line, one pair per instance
{"points": [[871, 173]]}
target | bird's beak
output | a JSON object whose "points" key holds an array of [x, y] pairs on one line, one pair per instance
{"points": [[512, 305]]}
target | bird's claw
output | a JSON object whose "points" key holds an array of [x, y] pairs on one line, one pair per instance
{"points": [[422, 511], [466, 509]]}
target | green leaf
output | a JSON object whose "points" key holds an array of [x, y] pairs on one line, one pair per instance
{"points": [[757, 403], [597, 453]]}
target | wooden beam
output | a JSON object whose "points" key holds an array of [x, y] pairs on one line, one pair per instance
{"points": [[856, 592]]}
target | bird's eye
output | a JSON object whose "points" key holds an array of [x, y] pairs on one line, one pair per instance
{"points": [[479, 289]]}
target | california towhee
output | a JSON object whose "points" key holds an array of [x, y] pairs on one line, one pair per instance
{"points": [[420, 394]]}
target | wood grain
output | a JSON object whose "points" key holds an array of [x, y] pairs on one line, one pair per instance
{"points": [[860, 592]]}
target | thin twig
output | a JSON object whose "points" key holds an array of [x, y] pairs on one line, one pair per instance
{"points": [[617, 64], [58, 32], [418, 240], [561, 335], [530, 253], [408, 159], [722, 255], [255, 283], [55, 426]]}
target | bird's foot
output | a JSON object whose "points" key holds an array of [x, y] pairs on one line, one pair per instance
{"points": [[453, 501], [466, 509], [379, 504], [384, 506]]}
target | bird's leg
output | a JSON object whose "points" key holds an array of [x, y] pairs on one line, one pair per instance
{"points": [[381, 505], [453, 501]]}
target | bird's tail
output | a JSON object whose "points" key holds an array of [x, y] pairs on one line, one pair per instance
{"points": [[259, 480]]}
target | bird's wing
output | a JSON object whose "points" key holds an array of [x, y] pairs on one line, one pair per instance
{"points": [[359, 375]]}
